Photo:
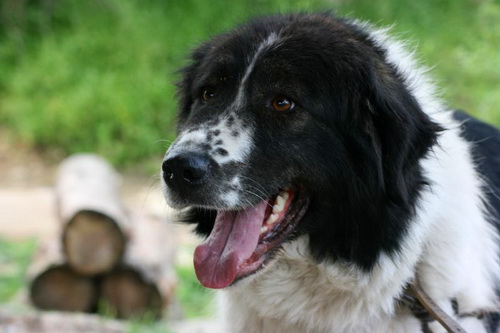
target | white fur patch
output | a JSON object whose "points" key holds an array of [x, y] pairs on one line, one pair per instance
{"points": [[230, 198], [223, 142]]}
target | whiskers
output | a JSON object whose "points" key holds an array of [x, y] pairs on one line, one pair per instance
{"points": [[165, 141], [260, 192], [257, 196]]}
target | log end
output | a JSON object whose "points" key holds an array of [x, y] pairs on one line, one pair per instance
{"points": [[93, 243], [61, 289], [128, 295]]}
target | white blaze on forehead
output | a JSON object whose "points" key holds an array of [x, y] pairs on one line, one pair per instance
{"points": [[267, 43]]}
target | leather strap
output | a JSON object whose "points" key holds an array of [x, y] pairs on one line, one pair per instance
{"points": [[434, 310]]}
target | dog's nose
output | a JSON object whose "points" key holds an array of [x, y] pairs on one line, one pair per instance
{"points": [[185, 169]]}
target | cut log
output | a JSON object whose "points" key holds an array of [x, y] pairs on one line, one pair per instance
{"points": [[93, 243], [59, 288], [145, 283], [54, 286], [93, 217], [125, 294]]}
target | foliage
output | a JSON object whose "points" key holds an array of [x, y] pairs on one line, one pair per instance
{"points": [[100, 76], [14, 259]]}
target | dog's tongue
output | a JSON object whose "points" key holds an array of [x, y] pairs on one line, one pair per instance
{"points": [[233, 240]]}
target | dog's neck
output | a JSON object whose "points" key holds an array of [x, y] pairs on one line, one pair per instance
{"points": [[331, 294]]}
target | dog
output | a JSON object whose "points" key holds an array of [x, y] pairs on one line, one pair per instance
{"points": [[326, 175]]}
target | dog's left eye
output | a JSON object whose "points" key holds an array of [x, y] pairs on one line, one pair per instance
{"points": [[282, 104], [208, 94]]}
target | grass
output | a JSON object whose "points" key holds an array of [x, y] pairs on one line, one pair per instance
{"points": [[196, 300], [148, 326], [101, 79], [15, 257]]}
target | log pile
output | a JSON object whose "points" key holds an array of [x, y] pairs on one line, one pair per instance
{"points": [[103, 256]]}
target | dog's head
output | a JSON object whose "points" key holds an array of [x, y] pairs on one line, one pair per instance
{"points": [[294, 125]]}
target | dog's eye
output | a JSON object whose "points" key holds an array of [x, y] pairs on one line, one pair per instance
{"points": [[282, 104], [208, 94]]}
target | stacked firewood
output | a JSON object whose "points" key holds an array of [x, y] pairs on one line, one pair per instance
{"points": [[103, 258]]}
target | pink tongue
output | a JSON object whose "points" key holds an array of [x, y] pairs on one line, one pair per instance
{"points": [[233, 240]]}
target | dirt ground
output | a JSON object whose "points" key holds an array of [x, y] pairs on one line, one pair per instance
{"points": [[27, 210]]}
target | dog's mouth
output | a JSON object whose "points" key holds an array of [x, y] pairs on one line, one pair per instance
{"points": [[242, 241]]}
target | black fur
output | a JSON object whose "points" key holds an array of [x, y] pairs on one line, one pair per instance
{"points": [[352, 143]]}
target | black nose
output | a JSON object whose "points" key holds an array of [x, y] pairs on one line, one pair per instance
{"points": [[185, 169]]}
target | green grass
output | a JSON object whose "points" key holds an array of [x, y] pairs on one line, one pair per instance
{"points": [[15, 257], [101, 79], [136, 326], [196, 301]]}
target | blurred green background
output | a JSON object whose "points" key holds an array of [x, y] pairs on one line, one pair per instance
{"points": [[97, 75]]}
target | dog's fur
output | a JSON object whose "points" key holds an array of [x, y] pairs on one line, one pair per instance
{"points": [[399, 187]]}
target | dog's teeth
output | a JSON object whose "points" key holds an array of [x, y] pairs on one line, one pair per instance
{"points": [[263, 230], [278, 204], [284, 195], [272, 218]]}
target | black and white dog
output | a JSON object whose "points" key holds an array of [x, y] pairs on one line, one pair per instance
{"points": [[326, 175]]}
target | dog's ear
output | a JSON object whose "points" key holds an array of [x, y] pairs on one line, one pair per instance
{"points": [[401, 132]]}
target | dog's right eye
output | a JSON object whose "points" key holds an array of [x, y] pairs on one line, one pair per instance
{"points": [[208, 94], [282, 104]]}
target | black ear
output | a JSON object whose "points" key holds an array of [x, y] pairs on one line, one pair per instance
{"points": [[403, 133]]}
